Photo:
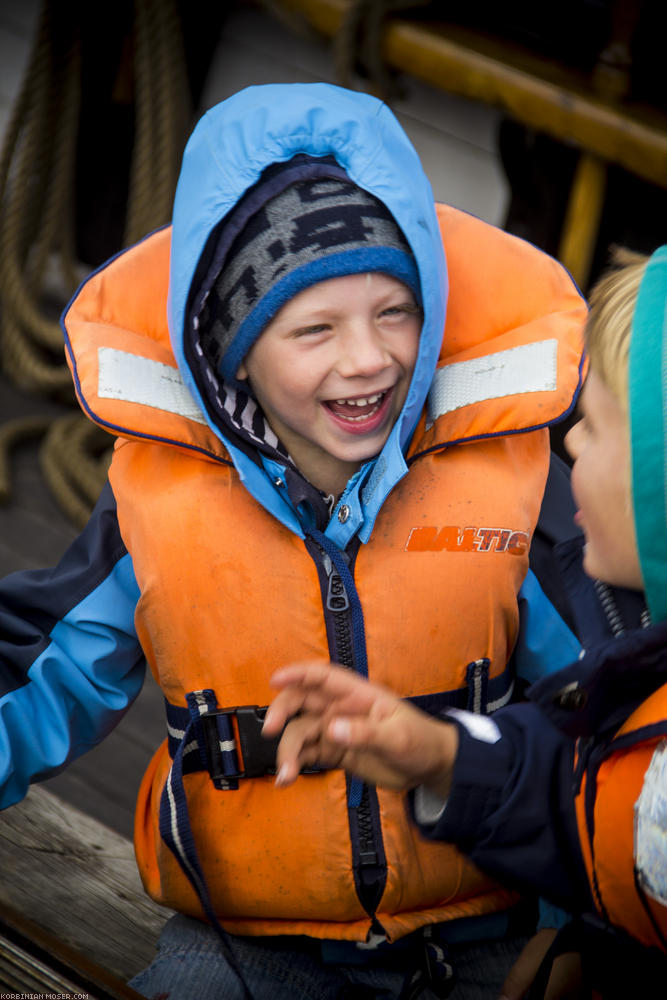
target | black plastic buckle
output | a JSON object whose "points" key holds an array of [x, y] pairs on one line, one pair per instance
{"points": [[258, 754]]}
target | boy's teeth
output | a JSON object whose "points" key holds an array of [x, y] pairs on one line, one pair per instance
{"points": [[367, 401]]}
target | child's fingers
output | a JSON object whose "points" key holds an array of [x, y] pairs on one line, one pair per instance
{"points": [[303, 744], [290, 702], [309, 673], [285, 705], [302, 690], [328, 678], [364, 735], [330, 684], [353, 732], [290, 749]]}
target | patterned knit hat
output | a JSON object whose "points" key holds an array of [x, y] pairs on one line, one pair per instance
{"points": [[278, 243]]}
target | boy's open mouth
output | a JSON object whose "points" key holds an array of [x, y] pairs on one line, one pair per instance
{"points": [[359, 409]]}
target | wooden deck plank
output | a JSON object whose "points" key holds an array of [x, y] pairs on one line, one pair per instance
{"points": [[78, 881]]}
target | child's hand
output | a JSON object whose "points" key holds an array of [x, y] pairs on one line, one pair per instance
{"points": [[347, 722]]}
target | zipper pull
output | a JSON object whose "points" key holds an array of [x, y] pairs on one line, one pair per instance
{"points": [[337, 599]]}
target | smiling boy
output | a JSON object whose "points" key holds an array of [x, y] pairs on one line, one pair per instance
{"points": [[316, 376]]}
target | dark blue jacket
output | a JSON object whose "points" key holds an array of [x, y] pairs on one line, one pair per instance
{"points": [[511, 805]]}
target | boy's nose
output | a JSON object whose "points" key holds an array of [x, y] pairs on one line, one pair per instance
{"points": [[363, 352], [571, 440]]}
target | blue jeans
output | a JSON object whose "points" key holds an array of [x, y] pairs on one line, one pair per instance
{"points": [[190, 965]]}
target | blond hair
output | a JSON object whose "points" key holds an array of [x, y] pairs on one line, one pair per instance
{"points": [[612, 302]]}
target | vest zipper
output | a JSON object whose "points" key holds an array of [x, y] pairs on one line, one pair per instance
{"points": [[337, 609], [369, 862]]}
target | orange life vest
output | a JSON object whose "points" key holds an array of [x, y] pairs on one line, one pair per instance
{"points": [[620, 811], [228, 594]]}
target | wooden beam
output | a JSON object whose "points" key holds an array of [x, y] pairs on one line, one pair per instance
{"points": [[77, 881], [537, 92], [582, 218], [37, 963]]}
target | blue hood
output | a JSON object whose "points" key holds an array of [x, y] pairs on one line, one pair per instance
{"points": [[228, 151]]}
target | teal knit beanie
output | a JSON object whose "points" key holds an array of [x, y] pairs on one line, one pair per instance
{"points": [[647, 399]]}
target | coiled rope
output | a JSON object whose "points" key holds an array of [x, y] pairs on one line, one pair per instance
{"points": [[38, 270]]}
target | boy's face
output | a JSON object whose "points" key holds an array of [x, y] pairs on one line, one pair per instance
{"points": [[599, 444], [331, 372]]}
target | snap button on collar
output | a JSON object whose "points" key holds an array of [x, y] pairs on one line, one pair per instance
{"points": [[343, 513]]}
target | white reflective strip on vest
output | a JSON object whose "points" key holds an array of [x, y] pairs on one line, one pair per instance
{"points": [[528, 368], [122, 375], [651, 827]]}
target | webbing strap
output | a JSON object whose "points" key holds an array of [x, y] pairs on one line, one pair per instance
{"points": [[481, 694], [205, 740], [226, 742], [175, 827]]}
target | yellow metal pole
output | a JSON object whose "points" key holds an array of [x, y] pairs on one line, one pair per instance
{"points": [[582, 217]]}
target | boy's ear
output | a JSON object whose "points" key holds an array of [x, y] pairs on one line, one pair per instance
{"points": [[242, 372]]}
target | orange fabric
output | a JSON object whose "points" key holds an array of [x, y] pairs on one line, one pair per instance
{"points": [[124, 306], [609, 854], [532, 298], [261, 607], [228, 594]]}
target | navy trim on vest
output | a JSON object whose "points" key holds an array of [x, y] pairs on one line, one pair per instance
{"points": [[652, 731]]}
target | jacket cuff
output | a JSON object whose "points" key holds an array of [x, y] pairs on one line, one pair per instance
{"points": [[483, 764], [427, 806]]}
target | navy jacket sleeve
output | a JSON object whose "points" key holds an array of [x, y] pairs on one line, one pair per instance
{"points": [[510, 808], [70, 660]]}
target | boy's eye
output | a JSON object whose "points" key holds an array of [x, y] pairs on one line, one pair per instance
{"points": [[304, 331], [405, 309]]}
